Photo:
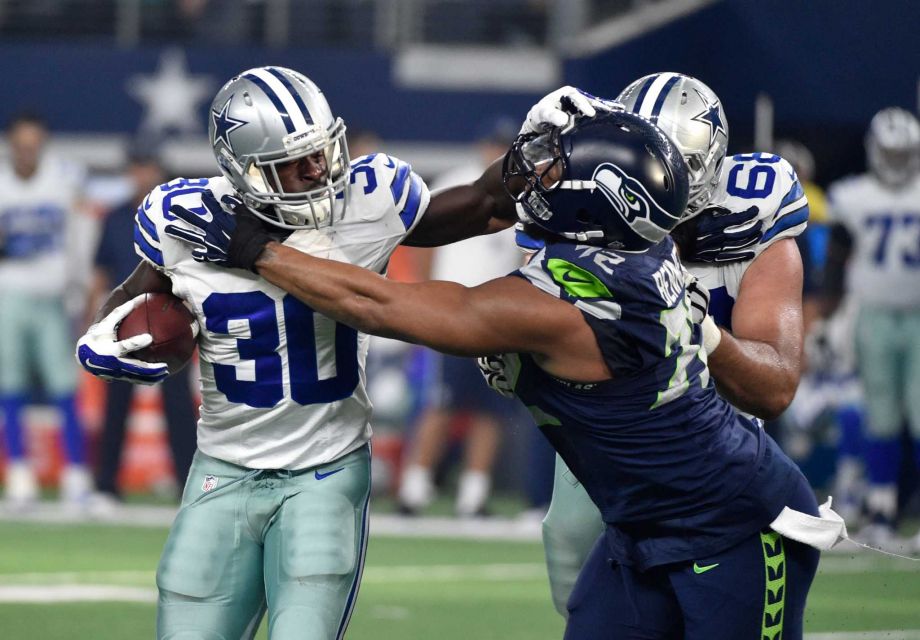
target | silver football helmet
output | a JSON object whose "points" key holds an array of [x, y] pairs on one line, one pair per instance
{"points": [[893, 146], [691, 115], [266, 117]]}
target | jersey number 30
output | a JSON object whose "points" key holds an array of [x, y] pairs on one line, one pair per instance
{"points": [[260, 382]]}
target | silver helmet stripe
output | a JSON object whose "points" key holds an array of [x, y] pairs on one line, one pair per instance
{"points": [[281, 97], [656, 94]]}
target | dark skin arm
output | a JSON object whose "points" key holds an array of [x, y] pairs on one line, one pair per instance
{"points": [[504, 315], [757, 366], [144, 279], [466, 211]]}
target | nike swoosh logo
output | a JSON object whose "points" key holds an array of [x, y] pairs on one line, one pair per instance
{"points": [[698, 569], [567, 276], [321, 476]]}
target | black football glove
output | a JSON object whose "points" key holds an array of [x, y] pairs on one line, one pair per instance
{"points": [[233, 239], [724, 236]]}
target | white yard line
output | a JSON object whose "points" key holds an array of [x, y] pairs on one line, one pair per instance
{"points": [[76, 593], [894, 634]]}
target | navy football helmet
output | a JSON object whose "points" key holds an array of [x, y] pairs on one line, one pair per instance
{"points": [[612, 180]]}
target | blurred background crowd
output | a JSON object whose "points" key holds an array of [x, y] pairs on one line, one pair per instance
{"points": [[105, 99]]}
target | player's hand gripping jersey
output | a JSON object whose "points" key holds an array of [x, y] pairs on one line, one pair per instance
{"points": [[283, 387], [764, 192], [627, 439]]}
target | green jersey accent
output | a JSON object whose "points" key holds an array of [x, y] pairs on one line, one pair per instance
{"points": [[577, 282], [698, 569], [542, 418], [774, 559]]}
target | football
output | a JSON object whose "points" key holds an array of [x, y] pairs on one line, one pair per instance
{"points": [[171, 324]]}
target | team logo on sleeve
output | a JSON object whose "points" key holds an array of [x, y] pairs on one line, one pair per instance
{"points": [[631, 200]]}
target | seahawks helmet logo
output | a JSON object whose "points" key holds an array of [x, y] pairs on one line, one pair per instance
{"points": [[633, 203]]}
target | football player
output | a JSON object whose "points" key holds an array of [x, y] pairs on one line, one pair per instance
{"points": [[736, 238], [612, 368], [874, 239], [274, 514]]}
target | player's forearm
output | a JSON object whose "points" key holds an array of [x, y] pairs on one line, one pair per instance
{"points": [[502, 206], [348, 294], [144, 279], [754, 376]]}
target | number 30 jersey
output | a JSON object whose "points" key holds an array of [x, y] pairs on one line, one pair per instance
{"points": [[283, 387]]}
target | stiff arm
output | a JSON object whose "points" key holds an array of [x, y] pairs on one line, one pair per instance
{"points": [[504, 315]]}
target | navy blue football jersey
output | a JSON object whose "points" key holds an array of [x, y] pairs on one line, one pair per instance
{"points": [[674, 470]]}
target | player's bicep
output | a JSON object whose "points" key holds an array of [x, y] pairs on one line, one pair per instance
{"points": [[769, 304], [465, 211]]}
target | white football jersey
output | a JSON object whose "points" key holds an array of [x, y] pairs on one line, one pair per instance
{"points": [[283, 387], [884, 266], [37, 219], [760, 180]]}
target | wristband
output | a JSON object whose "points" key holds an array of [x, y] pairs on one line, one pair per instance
{"points": [[712, 335]]}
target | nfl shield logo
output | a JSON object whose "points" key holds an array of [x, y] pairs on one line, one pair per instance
{"points": [[209, 483]]}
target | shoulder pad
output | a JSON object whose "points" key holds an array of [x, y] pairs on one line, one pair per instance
{"points": [[786, 209], [394, 183], [769, 183], [150, 240], [840, 194]]}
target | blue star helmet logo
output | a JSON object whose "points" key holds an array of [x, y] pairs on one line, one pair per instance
{"points": [[224, 124], [711, 118]]}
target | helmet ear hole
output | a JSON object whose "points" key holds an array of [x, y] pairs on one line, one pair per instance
{"points": [[583, 216]]}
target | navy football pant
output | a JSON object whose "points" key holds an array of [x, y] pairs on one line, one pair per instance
{"points": [[753, 591]]}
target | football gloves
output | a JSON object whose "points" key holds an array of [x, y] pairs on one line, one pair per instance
{"points": [[492, 369], [699, 313], [555, 109], [233, 239], [101, 353], [726, 236]]}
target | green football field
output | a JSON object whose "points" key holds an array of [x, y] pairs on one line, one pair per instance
{"points": [[76, 581]]}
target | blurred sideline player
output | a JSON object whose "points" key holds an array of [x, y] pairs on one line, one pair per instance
{"points": [[613, 369], [114, 261], [274, 515], [829, 392], [737, 238], [874, 240], [456, 387], [39, 200]]}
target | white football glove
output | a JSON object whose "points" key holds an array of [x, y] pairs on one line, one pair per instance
{"points": [[101, 353], [555, 109], [699, 313], [492, 369]]}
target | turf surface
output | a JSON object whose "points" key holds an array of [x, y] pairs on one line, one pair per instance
{"points": [[413, 588]]}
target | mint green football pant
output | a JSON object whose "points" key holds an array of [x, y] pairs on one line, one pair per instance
{"points": [[888, 352], [570, 529], [248, 541]]}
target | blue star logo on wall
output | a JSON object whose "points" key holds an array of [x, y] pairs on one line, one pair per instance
{"points": [[224, 124], [711, 118]]}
